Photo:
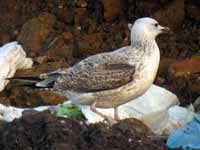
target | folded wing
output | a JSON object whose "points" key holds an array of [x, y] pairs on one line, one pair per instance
{"points": [[99, 73]]}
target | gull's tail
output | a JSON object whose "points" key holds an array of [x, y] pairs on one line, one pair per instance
{"points": [[36, 82]]}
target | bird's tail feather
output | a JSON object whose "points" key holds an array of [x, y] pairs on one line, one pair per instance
{"points": [[28, 79], [35, 82]]}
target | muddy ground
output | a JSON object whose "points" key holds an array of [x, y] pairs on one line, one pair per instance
{"points": [[60, 33], [43, 131]]}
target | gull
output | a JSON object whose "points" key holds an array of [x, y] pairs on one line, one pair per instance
{"points": [[110, 79]]}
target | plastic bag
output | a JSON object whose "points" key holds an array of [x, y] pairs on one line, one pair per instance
{"points": [[186, 137], [12, 57]]}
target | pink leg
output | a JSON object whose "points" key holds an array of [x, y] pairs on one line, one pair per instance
{"points": [[108, 118], [116, 114]]}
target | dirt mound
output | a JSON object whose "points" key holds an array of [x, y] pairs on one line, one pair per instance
{"points": [[43, 131]]}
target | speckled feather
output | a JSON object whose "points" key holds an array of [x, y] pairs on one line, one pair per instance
{"points": [[97, 73]]}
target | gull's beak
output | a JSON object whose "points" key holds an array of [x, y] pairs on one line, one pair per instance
{"points": [[165, 29]]}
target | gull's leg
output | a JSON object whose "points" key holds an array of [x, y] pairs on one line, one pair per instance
{"points": [[108, 118], [116, 114]]}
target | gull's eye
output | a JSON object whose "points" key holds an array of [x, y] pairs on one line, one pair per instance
{"points": [[156, 24]]}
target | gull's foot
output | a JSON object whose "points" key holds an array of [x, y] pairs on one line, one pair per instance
{"points": [[111, 121], [116, 114]]}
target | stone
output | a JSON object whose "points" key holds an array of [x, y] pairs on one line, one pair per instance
{"points": [[35, 31], [164, 65], [92, 44], [194, 85], [193, 10], [5, 38], [186, 67], [172, 14], [112, 9], [68, 36], [80, 16], [60, 48], [41, 59], [81, 4]]}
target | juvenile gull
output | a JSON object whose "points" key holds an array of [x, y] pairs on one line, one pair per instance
{"points": [[111, 79]]}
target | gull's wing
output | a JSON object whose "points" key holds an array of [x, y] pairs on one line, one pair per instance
{"points": [[100, 72]]}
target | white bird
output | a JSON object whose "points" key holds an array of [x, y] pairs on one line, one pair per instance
{"points": [[111, 79]]}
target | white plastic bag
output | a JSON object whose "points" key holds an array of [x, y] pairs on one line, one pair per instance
{"points": [[166, 121], [12, 57]]}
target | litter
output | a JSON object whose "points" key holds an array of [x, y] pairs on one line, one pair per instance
{"points": [[196, 105], [12, 57], [186, 137]]}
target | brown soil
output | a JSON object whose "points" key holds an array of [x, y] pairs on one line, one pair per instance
{"points": [[43, 131]]}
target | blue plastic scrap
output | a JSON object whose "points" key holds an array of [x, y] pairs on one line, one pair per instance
{"points": [[187, 137]]}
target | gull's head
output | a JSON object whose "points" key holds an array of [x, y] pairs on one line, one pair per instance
{"points": [[146, 29]]}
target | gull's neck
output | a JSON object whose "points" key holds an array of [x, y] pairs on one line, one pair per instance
{"points": [[142, 39]]}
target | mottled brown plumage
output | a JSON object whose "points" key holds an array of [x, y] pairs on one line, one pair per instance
{"points": [[107, 73]]}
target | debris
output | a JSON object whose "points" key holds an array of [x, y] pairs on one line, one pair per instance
{"points": [[186, 137], [196, 105], [12, 58], [69, 110]]}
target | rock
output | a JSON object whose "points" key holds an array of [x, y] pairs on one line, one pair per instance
{"points": [[184, 79], [164, 65], [112, 9], [193, 10], [11, 14], [172, 14], [6, 101], [196, 105], [5, 38], [60, 48], [80, 16], [64, 11], [138, 125], [92, 44], [35, 31], [68, 36], [185, 67], [194, 85], [41, 59], [81, 4], [159, 80]]}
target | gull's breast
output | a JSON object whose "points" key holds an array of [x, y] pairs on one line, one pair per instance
{"points": [[142, 80]]}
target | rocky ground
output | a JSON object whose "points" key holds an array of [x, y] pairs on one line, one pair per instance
{"points": [[60, 33]]}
